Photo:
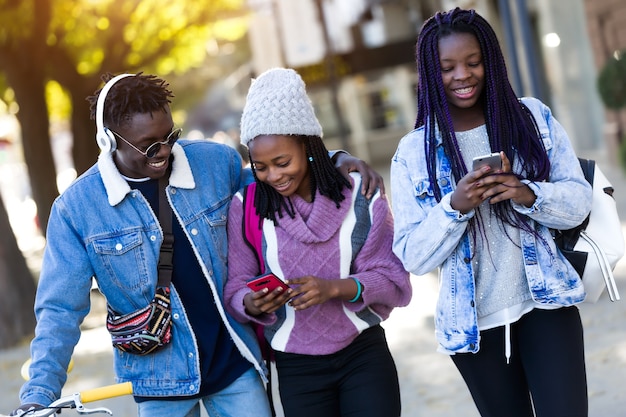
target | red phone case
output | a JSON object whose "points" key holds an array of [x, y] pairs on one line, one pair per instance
{"points": [[269, 281]]}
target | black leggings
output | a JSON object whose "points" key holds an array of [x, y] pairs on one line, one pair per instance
{"points": [[546, 370], [358, 381]]}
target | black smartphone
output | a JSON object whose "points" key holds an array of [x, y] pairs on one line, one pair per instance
{"points": [[493, 160], [269, 281]]}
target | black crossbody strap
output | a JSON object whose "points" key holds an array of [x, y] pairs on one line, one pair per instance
{"points": [[167, 247]]}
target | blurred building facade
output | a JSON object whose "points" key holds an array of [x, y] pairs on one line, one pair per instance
{"points": [[357, 58], [606, 22]]}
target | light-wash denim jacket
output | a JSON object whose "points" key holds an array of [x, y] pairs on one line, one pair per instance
{"points": [[430, 235], [100, 227]]}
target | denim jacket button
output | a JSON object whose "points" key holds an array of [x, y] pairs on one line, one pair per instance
{"points": [[192, 387], [153, 238], [194, 232], [175, 316], [173, 190], [472, 346], [118, 246], [473, 304], [466, 260], [443, 182]]}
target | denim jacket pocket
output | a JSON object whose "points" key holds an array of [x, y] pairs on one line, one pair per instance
{"points": [[124, 258]]}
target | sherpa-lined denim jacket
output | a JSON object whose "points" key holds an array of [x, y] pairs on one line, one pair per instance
{"points": [[430, 234], [100, 227]]}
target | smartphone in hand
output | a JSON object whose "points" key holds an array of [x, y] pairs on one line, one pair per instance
{"points": [[493, 160], [269, 281]]}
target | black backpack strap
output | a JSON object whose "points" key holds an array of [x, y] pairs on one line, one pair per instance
{"points": [[567, 239], [166, 254]]}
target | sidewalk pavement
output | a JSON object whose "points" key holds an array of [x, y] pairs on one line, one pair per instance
{"points": [[430, 384]]}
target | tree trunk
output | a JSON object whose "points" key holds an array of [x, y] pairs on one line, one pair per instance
{"points": [[17, 288], [29, 87], [84, 149]]}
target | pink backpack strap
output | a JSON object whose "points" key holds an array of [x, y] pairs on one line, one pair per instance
{"points": [[252, 225], [252, 229]]}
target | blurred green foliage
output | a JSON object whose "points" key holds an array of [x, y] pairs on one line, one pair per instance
{"points": [[612, 81]]}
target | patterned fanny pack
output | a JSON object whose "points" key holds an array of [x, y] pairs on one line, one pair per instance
{"points": [[145, 330]]}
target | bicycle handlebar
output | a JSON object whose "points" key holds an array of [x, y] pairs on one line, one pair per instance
{"points": [[109, 391], [76, 400]]}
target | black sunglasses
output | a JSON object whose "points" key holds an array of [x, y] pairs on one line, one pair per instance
{"points": [[153, 150]]}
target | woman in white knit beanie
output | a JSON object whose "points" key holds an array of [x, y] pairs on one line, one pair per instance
{"points": [[330, 244]]}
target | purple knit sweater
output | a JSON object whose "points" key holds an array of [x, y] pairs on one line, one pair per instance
{"points": [[318, 242]]}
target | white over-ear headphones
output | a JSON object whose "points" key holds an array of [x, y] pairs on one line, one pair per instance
{"points": [[105, 139]]}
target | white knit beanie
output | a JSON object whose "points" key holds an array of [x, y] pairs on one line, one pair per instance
{"points": [[277, 104]]}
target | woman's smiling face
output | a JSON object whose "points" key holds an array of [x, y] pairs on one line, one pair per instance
{"points": [[281, 162], [462, 70]]}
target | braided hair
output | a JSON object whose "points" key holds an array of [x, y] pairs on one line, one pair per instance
{"points": [[324, 177], [510, 125], [131, 95]]}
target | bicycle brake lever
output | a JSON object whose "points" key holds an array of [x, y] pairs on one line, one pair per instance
{"points": [[81, 409]]}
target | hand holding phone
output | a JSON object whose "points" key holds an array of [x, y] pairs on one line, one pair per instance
{"points": [[269, 281], [493, 160]]}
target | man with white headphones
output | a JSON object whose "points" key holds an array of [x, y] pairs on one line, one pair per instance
{"points": [[105, 226]]}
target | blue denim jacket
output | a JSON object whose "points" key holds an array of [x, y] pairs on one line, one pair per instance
{"points": [[99, 227], [430, 235]]}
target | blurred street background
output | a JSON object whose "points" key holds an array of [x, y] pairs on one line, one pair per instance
{"points": [[357, 58]]}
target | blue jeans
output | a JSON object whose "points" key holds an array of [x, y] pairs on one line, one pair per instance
{"points": [[246, 397]]}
